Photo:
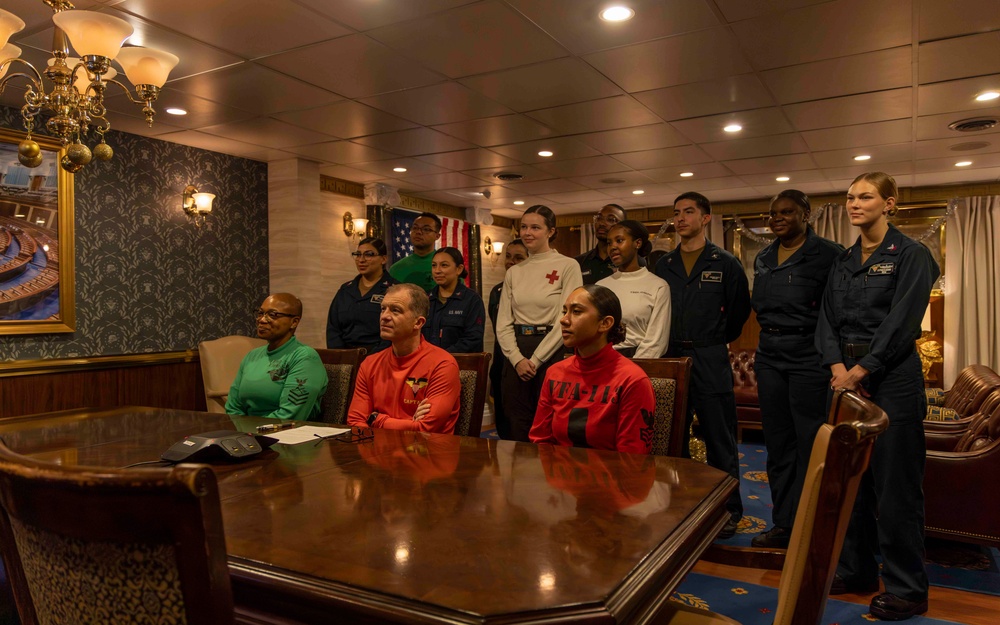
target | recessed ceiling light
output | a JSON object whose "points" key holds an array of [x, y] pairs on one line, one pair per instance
{"points": [[518, 202], [986, 96], [638, 192], [399, 169], [687, 174], [963, 163], [617, 14], [782, 178], [862, 157], [176, 111], [545, 153], [733, 128]]}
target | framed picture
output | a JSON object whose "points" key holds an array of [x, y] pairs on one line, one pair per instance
{"points": [[36, 241]]}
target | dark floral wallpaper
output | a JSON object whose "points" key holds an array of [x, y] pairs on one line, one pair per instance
{"points": [[148, 280]]}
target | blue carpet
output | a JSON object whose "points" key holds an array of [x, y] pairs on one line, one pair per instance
{"points": [[950, 565], [751, 604]]}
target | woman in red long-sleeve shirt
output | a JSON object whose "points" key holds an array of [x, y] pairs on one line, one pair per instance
{"points": [[596, 398]]}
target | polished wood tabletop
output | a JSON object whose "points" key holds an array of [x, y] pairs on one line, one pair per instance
{"points": [[425, 528]]}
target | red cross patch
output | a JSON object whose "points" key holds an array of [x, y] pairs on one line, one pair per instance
{"points": [[552, 277]]}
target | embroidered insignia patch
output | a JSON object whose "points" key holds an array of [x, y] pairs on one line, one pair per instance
{"points": [[377, 299], [882, 269], [711, 276], [416, 384]]}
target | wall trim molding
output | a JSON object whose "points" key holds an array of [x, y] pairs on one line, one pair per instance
{"points": [[62, 365]]}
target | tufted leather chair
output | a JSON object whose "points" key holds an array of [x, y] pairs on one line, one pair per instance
{"points": [[959, 502], [972, 387], [341, 369], [745, 388]]}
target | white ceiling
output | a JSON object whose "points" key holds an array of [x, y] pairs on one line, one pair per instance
{"points": [[457, 90]]}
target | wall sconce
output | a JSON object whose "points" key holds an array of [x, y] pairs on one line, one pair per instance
{"points": [[492, 249], [355, 228], [197, 205]]}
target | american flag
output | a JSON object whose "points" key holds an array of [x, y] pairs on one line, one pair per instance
{"points": [[399, 242], [455, 233]]}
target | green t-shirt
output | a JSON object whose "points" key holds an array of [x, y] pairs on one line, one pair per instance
{"points": [[287, 383], [415, 270]]}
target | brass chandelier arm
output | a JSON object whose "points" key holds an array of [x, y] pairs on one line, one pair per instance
{"points": [[36, 80]]}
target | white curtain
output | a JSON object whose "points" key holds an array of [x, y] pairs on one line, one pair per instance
{"points": [[972, 286], [587, 239], [834, 224]]}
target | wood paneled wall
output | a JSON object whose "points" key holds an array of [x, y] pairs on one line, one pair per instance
{"points": [[168, 381]]}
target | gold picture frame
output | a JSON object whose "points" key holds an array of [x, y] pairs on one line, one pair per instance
{"points": [[37, 290]]}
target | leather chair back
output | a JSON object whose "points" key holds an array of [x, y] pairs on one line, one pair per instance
{"points": [[341, 370], [670, 378], [473, 371], [972, 386], [220, 361]]}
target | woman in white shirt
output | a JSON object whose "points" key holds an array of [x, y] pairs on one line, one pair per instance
{"points": [[530, 307], [645, 297]]}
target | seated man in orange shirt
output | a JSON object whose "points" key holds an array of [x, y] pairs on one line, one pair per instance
{"points": [[414, 385]]}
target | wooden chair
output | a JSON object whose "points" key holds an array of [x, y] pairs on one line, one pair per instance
{"points": [[670, 378], [840, 455], [341, 369], [220, 361], [474, 373], [113, 546]]}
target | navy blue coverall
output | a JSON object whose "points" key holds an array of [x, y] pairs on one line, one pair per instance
{"points": [[791, 379], [457, 325], [709, 308], [871, 316], [353, 317]]}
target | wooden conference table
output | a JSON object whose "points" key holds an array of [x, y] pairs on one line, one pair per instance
{"points": [[425, 528]]}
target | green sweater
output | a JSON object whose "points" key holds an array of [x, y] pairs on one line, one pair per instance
{"points": [[415, 270], [286, 383]]}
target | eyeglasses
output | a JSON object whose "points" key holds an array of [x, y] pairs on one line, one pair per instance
{"points": [[271, 315], [368, 254], [357, 434], [423, 229], [610, 219]]}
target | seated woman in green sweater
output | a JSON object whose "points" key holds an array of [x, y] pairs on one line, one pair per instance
{"points": [[283, 379]]}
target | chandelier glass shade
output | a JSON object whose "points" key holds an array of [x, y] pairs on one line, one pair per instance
{"points": [[69, 92]]}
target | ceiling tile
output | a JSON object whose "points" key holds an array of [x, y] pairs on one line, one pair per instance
{"points": [[671, 175], [341, 152], [736, 10], [677, 60], [942, 97], [493, 131], [556, 185], [36, 15], [200, 112], [266, 132], [577, 25], [414, 168], [348, 173], [972, 55], [617, 179], [824, 31], [364, 14], [733, 93], [362, 67], [703, 183], [138, 126], [253, 88], [850, 172], [577, 197], [650, 190], [936, 126], [956, 176], [437, 104], [448, 180], [553, 83], [414, 142], [489, 35], [966, 147], [842, 76], [211, 142], [596, 115], [487, 174], [771, 164], [562, 148], [853, 109], [791, 143], [345, 119], [477, 158], [796, 178], [940, 20], [664, 157], [896, 131], [634, 139], [979, 161], [741, 193], [760, 122], [582, 166], [880, 154], [258, 28]]}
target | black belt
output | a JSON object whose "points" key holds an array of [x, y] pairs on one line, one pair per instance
{"points": [[531, 330], [788, 330], [855, 350], [694, 344]]}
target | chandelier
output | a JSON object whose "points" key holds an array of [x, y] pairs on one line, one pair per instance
{"points": [[74, 105]]}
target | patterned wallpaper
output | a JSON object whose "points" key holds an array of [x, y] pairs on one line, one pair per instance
{"points": [[148, 280]]}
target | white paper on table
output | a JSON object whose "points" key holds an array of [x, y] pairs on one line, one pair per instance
{"points": [[304, 434]]}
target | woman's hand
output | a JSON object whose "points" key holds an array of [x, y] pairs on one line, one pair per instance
{"points": [[525, 369], [851, 380]]}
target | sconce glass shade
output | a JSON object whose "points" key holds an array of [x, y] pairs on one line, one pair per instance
{"points": [[360, 226], [146, 66], [203, 201], [9, 24], [8, 52], [82, 82], [497, 247], [92, 33]]}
